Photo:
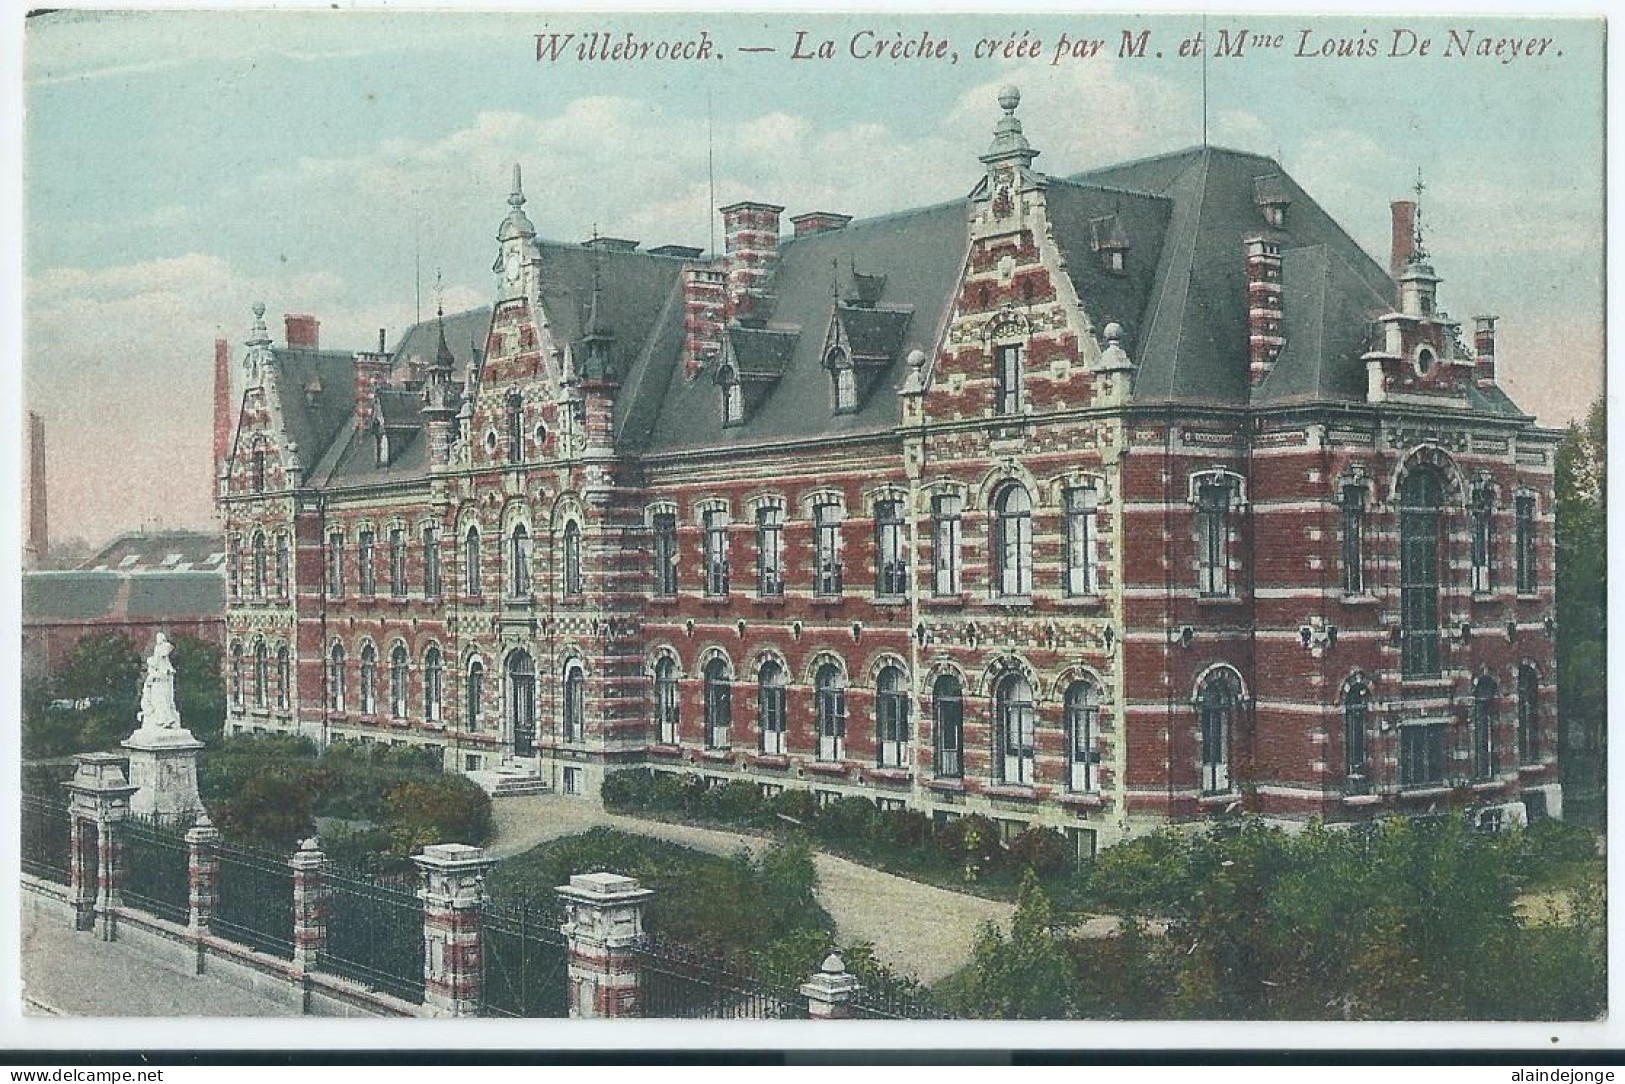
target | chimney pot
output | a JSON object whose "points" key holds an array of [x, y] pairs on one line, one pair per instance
{"points": [[1403, 238], [302, 331]]}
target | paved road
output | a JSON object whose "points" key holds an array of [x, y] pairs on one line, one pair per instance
{"points": [[919, 929], [78, 974]]}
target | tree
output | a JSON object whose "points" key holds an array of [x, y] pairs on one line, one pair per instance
{"points": [[1025, 976], [200, 694], [1582, 604]]}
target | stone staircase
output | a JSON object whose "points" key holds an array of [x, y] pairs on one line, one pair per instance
{"points": [[511, 779]]}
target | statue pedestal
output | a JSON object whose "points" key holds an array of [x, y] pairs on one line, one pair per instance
{"points": [[163, 765]]}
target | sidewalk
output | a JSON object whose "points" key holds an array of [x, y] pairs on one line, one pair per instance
{"points": [[917, 928], [66, 973]]}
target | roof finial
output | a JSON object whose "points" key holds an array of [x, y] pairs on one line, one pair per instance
{"points": [[516, 198], [1008, 142], [1418, 251], [439, 298]]}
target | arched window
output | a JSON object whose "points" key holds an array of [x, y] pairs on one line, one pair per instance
{"points": [[1016, 729], [516, 428], [948, 723], [733, 400], [718, 704], [433, 684], [237, 674], [335, 679], [1479, 513], [572, 558], [262, 676], [891, 718], [1421, 496], [1007, 362], [575, 704], [258, 470], [397, 681], [369, 680], [1525, 554], [829, 690], [1216, 704], [1483, 725], [666, 702], [1528, 715], [522, 702], [284, 678], [770, 683], [1356, 725], [471, 561], [519, 562], [1083, 736], [259, 564], [283, 564], [474, 695], [1013, 541]]}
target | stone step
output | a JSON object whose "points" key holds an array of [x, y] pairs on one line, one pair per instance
{"points": [[509, 782]]}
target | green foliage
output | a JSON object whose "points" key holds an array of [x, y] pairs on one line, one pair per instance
{"points": [[438, 809], [200, 693], [1044, 851], [1582, 601], [629, 790], [1025, 976], [737, 802]]}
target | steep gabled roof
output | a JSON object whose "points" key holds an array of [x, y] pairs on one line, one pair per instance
{"points": [[316, 392]]}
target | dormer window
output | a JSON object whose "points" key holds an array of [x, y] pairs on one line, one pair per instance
{"points": [[380, 444], [845, 381], [1275, 214], [1114, 260], [733, 399]]}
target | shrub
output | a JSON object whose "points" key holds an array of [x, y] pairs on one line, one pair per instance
{"points": [[734, 802], [629, 788], [675, 793], [905, 828], [847, 819], [970, 842], [1042, 850], [444, 809], [795, 805]]}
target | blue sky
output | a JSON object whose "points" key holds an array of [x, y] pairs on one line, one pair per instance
{"points": [[180, 166]]}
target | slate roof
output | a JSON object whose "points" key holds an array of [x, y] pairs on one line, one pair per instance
{"points": [[317, 392], [141, 551], [69, 595], [72, 596]]}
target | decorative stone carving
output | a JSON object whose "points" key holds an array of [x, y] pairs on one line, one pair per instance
{"points": [[163, 753]]}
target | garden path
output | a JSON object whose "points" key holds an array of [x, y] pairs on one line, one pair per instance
{"points": [[917, 928]]}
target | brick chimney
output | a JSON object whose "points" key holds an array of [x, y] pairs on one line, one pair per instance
{"points": [[818, 222], [303, 332], [1484, 350], [1264, 310], [705, 304], [1402, 243], [223, 414], [38, 551], [751, 239]]}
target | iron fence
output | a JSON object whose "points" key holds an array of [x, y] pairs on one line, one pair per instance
{"points": [[887, 1001], [46, 836], [526, 963], [153, 873], [374, 933], [253, 903], [677, 982]]}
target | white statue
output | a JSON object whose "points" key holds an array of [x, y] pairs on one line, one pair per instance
{"points": [[158, 711]]}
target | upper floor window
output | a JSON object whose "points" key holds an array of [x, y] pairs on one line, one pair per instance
{"points": [[1479, 521], [1216, 704], [397, 682], [1007, 366], [431, 562], [829, 693], [770, 551], [1485, 754], [516, 428], [575, 704], [363, 545], [1528, 715], [369, 680], [665, 553], [234, 565], [1081, 546], [1421, 754], [1015, 729], [434, 673], [260, 570], [716, 552], [1013, 541], [1525, 526], [284, 677], [891, 555], [845, 382], [827, 543], [262, 676], [283, 564], [666, 700], [335, 563], [1083, 734], [891, 718], [1214, 496], [397, 562], [718, 704], [237, 674], [948, 725], [572, 559], [335, 679], [945, 513], [1356, 725], [471, 561], [770, 685], [1352, 510], [518, 562], [733, 399], [1421, 495], [258, 470]]}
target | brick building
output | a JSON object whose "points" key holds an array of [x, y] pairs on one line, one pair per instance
{"points": [[1089, 501]]}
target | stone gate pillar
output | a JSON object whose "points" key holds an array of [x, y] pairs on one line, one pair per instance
{"points": [[98, 798], [603, 922], [203, 880], [309, 912], [831, 991], [453, 896]]}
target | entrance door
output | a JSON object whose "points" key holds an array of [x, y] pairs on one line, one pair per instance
{"points": [[522, 703]]}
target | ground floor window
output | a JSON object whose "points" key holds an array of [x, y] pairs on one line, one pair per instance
{"points": [[1421, 754], [573, 781], [1016, 731], [830, 690]]}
